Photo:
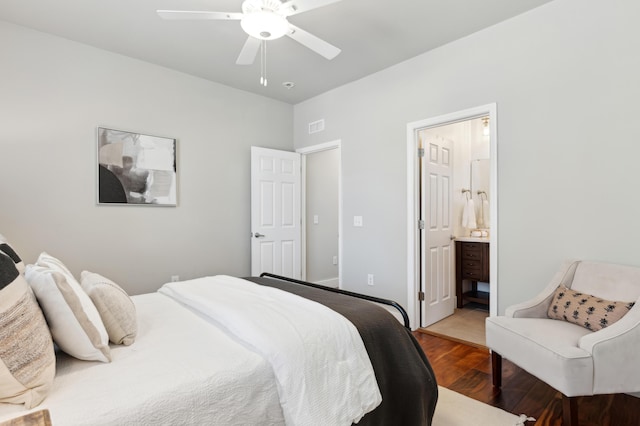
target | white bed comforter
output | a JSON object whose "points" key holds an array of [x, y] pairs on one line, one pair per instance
{"points": [[181, 370], [323, 373]]}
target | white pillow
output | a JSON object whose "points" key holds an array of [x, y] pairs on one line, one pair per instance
{"points": [[27, 359], [73, 319], [116, 309], [48, 261]]}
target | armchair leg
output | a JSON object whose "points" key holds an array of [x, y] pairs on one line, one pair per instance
{"points": [[569, 410], [496, 369]]}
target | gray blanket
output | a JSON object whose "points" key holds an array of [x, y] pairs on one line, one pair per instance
{"points": [[405, 378]]}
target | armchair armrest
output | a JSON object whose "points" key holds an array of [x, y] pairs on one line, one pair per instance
{"points": [[538, 306], [615, 352]]}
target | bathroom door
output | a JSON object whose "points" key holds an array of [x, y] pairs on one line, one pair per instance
{"points": [[437, 259]]}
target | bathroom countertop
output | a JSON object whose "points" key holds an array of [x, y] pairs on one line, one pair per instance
{"points": [[473, 239]]}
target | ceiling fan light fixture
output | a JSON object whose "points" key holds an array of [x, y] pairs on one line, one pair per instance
{"points": [[264, 25]]}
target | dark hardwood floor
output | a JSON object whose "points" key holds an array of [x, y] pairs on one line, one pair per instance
{"points": [[467, 370]]}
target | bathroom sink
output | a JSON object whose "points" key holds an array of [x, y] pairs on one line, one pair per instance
{"points": [[473, 239]]}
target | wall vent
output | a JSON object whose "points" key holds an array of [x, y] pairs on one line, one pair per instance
{"points": [[316, 126]]}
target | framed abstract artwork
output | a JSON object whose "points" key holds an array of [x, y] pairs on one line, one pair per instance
{"points": [[136, 169]]}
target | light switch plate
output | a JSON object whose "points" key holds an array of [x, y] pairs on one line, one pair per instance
{"points": [[357, 221]]}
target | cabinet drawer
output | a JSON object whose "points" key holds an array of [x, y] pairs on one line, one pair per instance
{"points": [[471, 264], [473, 274], [475, 254], [470, 247]]}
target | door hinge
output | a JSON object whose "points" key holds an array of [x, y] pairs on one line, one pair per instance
{"points": [[421, 296], [420, 152], [421, 224]]}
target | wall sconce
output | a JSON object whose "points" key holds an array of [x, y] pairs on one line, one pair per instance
{"points": [[485, 126]]}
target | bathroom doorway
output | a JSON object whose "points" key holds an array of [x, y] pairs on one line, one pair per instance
{"points": [[471, 136]]}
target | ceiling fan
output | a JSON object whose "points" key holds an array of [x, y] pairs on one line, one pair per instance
{"points": [[265, 20]]}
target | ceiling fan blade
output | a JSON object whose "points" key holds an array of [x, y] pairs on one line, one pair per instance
{"points": [[196, 14], [294, 7], [314, 43], [249, 51]]}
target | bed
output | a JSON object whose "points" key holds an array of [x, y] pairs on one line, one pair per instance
{"points": [[214, 351]]}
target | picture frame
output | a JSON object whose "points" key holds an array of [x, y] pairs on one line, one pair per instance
{"points": [[135, 169]]}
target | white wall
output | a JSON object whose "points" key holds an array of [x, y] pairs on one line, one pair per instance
{"points": [[53, 94], [564, 77]]}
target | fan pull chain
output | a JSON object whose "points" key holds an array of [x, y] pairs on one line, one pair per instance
{"points": [[263, 63]]}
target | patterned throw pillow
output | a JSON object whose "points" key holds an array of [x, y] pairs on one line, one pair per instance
{"points": [[588, 311], [6, 248], [27, 358]]}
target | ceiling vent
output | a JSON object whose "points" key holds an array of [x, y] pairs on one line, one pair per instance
{"points": [[316, 126]]}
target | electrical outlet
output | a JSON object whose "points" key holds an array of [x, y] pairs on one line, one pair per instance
{"points": [[175, 278], [370, 279], [335, 260]]}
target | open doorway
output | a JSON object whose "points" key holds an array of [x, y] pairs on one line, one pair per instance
{"points": [[296, 204], [446, 157], [321, 219]]}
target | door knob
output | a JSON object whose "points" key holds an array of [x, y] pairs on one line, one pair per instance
{"points": [[258, 235]]}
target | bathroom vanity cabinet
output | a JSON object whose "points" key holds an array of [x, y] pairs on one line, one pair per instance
{"points": [[472, 264]]}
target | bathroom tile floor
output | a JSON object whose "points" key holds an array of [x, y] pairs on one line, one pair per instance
{"points": [[466, 325]]}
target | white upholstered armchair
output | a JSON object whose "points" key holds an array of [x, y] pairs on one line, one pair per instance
{"points": [[563, 352]]}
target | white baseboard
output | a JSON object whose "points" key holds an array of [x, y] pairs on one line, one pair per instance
{"points": [[331, 282]]}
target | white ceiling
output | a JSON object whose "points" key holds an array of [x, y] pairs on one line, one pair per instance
{"points": [[373, 35]]}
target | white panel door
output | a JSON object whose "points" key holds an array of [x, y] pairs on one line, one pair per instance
{"points": [[437, 253], [275, 212]]}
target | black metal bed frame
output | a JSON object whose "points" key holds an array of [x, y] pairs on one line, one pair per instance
{"points": [[405, 317]]}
